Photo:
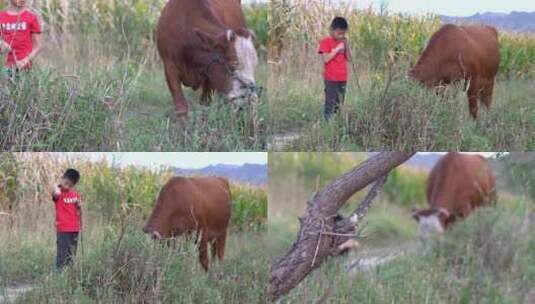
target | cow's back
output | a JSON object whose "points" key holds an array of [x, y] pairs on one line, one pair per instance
{"points": [[174, 31], [207, 199], [459, 183], [216, 200], [484, 46], [458, 51], [230, 13]]}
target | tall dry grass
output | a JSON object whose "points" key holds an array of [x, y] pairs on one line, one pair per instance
{"points": [[487, 257], [383, 110], [99, 86], [116, 262]]}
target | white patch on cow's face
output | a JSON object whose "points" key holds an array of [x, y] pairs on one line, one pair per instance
{"points": [[243, 84], [247, 57], [429, 225]]}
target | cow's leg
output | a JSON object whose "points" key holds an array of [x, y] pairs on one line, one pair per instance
{"points": [[486, 93], [473, 96], [203, 250], [175, 86], [220, 244], [206, 97], [214, 249]]}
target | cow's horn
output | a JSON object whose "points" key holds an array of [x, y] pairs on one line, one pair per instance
{"points": [[445, 212], [156, 234], [230, 35]]}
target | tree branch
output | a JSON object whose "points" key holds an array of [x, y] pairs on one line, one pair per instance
{"points": [[322, 229]]}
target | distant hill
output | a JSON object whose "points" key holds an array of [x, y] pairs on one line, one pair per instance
{"points": [[423, 161], [253, 174], [521, 22]]}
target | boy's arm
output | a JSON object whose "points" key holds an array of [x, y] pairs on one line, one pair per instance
{"points": [[4, 46], [329, 56], [37, 42], [37, 39], [349, 56], [54, 194], [79, 208]]}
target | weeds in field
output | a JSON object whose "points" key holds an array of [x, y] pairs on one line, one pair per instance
{"points": [[112, 192], [116, 262], [99, 85], [477, 261], [128, 267], [383, 110], [484, 258]]}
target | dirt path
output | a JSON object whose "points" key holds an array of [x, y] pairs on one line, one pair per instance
{"points": [[369, 258], [281, 141], [10, 293]]}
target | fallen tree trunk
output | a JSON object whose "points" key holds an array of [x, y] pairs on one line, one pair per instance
{"points": [[323, 230]]}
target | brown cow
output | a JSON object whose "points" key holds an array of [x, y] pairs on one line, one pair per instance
{"points": [[206, 44], [197, 206], [457, 185], [456, 53]]}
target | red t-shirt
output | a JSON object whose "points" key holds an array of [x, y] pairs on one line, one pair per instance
{"points": [[67, 213], [336, 69], [17, 30]]}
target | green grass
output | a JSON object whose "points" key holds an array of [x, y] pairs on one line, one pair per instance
{"points": [[99, 86], [383, 110], [488, 258], [402, 115], [116, 262], [133, 268], [113, 109]]}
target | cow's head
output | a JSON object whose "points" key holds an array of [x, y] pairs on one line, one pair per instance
{"points": [[153, 232], [158, 225], [230, 65], [432, 221], [424, 75]]}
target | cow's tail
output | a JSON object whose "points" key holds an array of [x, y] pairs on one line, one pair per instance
{"points": [[493, 197]]}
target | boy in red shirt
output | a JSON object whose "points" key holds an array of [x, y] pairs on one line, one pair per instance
{"points": [[20, 35], [68, 217], [335, 55]]}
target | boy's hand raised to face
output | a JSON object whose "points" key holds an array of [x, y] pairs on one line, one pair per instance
{"points": [[341, 47], [4, 47], [22, 63]]}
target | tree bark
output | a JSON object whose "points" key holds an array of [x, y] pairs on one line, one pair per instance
{"points": [[322, 229]]}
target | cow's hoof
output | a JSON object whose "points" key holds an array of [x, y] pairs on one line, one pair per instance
{"points": [[174, 113]]}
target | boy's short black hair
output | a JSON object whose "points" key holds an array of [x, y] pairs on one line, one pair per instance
{"points": [[72, 175], [339, 23]]}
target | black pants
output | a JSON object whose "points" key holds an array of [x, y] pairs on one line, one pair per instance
{"points": [[335, 92], [66, 242]]}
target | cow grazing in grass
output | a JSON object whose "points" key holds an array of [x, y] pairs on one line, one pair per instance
{"points": [[457, 185], [466, 53], [206, 44], [198, 206]]}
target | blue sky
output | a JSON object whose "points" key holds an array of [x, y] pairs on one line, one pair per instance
{"points": [[177, 159], [442, 7], [452, 7]]}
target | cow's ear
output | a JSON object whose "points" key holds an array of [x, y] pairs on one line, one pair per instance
{"points": [[244, 32], [416, 214], [231, 36], [247, 33], [446, 217], [225, 39]]}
